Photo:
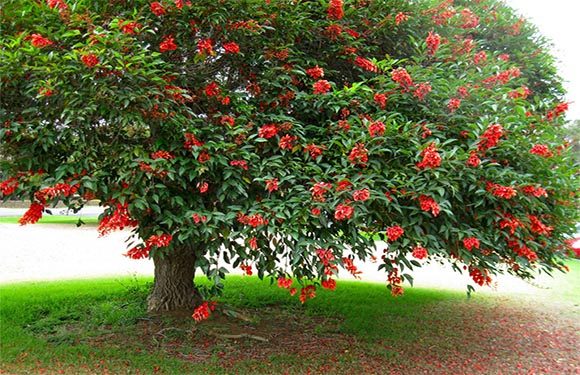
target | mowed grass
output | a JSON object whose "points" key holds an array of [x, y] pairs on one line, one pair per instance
{"points": [[53, 219], [100, 326]]}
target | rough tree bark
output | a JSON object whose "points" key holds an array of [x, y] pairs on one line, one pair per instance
{"points": [[174, 291]]}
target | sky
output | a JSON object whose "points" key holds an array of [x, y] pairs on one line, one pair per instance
{"points": [[559, 21]]}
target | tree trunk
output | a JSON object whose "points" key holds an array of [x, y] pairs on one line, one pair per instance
{"points": [[174, 291]]}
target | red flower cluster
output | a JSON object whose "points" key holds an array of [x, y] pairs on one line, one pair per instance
{"points": [[469, 19], [198, 218], [129, 27], [402, 77], [510, 222], [523, 251], [272, 185], [329, 284], [541, 150], [490, 137], [335, 11], [453, 104], [90, 60], [203, 311], [473, 160], [431, 157], [557, 111], [400, 18], [254, 220], [538, 227], [502, 77], [202, 187], [268, 131], [239, 163], [60, 4], [33, 214], [142, 251], [327, 259], [421, 90], [157, 8], [313, 150], [433, 41], [45, 91], [9, 186], [343, 212], [366, 64], [307, 293], [505, 192], [205, 46], [287, 142], [247, 268], [168, 44], [535, 191], [520, 93], [284, 283], [212, 89], [162, 154], [376, 128], [361, 195], [231, 47], [52, 192], [381, 100], [471, 242], [118, 220], [191, 141], [420, 252], [316, 72], [359, 155], [319, 189], [39, 41], [479, 277], [348, 264], [321, 86], [428, 204], [394, 281], [394, 232]]}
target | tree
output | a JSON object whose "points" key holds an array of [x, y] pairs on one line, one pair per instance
{"points": [[284, 136]]}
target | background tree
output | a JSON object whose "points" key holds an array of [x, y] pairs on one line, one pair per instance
{"points": [[279, 136]]}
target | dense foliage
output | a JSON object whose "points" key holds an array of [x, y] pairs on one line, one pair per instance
{"points": [[281, 136]]}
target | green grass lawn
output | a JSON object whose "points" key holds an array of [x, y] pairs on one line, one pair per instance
{"points": [[95, 326], [52, 219]]}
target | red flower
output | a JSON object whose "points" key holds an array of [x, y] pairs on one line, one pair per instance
{"points": [[118, 220], [321, 86], [535, 191], [510, 222], [162, 240], [490, 137], [239, 163], [504, 57], [307, 293], [541, 150], [433, 41], [272, 185], [313, 150], [343, 212], [394, 233], [319, 189], [247, 269], [254, 221], [376, 128], [428, 204], [198, 218], [479, 277], [335, 11], [359, 155], [470, 20], [316, 72], [348, 264], [168, 44], [9, 186], [129, 27], [453, 104], [287, 142], [479, 57], [203, 311], [268, 131], [431, 157], [538, 227], [231, 47], [33, 214], [343, 185], [420, 252], [421, 90], [212, 89], [161, 154], [471, 242], [315, 211], [400, 18], [253, 243], [157, 8], [505, 192], [205, 46], [203, 157], [402, 77], [39, 41], [284, 283], [361, 195], [473, 160], [56, 3], [365, 64], [45, 91], [191, 141], [329, 284], [202, 187], [381, 100]]}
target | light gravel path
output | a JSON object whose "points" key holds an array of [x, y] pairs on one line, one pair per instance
{"points": [[49, 252]]}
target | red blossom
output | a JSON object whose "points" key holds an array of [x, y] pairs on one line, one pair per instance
{"points": [[9, 186], [359, 155], [376, 128], [205, 46], [254, 221], [203, 311], [60, 4], [471, 242], [268, 131], [239, 163], [316, 72], [335, 11], [361, 195], [490, 137], [313, 150], [469, 19], [433, 41], [129, 27], [394, 232], [421, 90], [118, 220], [541, 150], [157, 9], [168, 44], [381, 100], [343, 185], [231, 47], [453, 104], [479, 277], [505, 192], [203, 157], [319, 189], [420, 252], [33, 214], [287, 142], [191, 141], [253, 243], [365, 64], [429, 204], [400, 18], [538, 227], [307, 293], [473, 160], [402, 77], [343, 212], [272, 185], [203, 187], [162, 154], [431, 157], [39, 41], [329, 284], [198, 218], [348, 265], [284, 283], [321, 86]]}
